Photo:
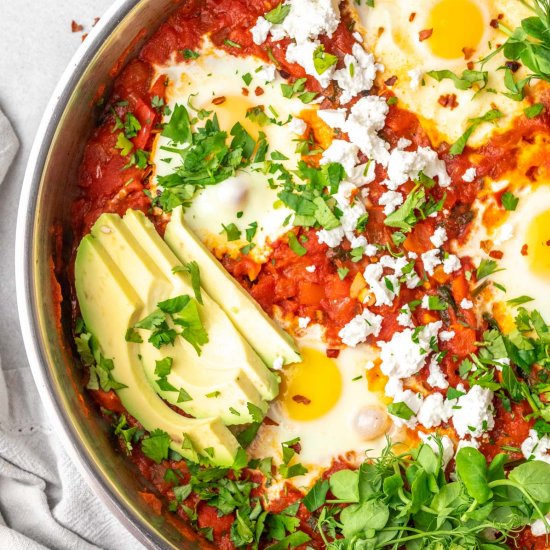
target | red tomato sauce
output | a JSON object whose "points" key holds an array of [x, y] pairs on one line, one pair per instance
{"points": [[283, 286]]}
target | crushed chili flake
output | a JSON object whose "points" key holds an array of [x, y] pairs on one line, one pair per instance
{"points": [[218, 100], [496, 254], [245, 91], [448, 101], [512, 65], [333, 353], [531, 173], [391, 81], [259, 91], [302, 400], [425, 34], [525, 249], [412, 16], [76, 27], [468, 52]]}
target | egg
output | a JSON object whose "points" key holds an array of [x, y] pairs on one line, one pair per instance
{"points": [[522, 236], [327, 404], [216, 82], [434, 35]]}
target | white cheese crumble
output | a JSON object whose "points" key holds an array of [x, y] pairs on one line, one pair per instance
{"points": [[466, 304], [405, 354], [302, 53], [297, 126], [358, 74], [260, 30], [278, 363], [439, 237], [434, 411], [384, 287], [536, 448], [451, 264], [333, 118], [446, 335], [431, 260], [469, 175], [416, 76], [390, 200], [331, 237], [360, 327], [538, 528], [303, 322], [342, 152], [473, 412], [505, 233], [437, 378], [404, 318], [311, 268], [266, 74]]}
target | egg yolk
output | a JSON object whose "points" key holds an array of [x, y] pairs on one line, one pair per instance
{"points": [[311, 388], [456, 24], [538, 244]]}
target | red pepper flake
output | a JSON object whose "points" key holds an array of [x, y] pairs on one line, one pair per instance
{"points": [[494, 23], [219, 100], [525, 249], [96, 21], [468, 52], [512, 65], [245, 91], [547, 243], [259, 91], [391, 81], [448, 101], [425, 34], [302, 400], [531, 173], [412, 16], [296, 447], [470, 65], [76, 27], [496, 254], [333, 353], [270, 422], [84, 36]]}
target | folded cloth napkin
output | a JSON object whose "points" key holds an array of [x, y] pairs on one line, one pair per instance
{"points": [[44, 503]]}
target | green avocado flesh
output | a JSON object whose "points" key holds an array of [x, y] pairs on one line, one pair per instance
{"points": [[123, 270], [264, 335]]}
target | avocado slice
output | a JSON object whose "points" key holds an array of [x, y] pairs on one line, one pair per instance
{"points": [[109, 305], [231, 341], [270, 341], [216, 381]]}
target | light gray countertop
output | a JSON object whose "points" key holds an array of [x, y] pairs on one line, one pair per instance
{"points": [[36, 44]]}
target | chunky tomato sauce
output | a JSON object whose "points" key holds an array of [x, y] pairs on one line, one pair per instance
{"points": [[283, 286]]}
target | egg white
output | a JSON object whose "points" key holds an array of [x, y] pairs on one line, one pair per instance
{"points": [[394, 40], [245, 198], [332, 435]]}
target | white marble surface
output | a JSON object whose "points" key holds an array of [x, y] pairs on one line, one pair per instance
{"points": [[36, 44]]}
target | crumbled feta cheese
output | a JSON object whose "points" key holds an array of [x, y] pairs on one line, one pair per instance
{"points": [[303, 322], [331, 237], [439, 237], [536, 448], [360, 327], [333, 118], [297, 126], [384, 287], [469, 175], [437, 378], [311, 268], [369, 365], [357, 242], [404, 356], [260, 30], [446, 446], [404, 318], [278, 363], [505, 233], [342, 152], [466, 304], [433, 411], [538, 527], [425, 303], [416, 76], [414, 402], [371, 250], [407, 165], [390, 200], [446, 335], [357, 36], [451, 264], [307, 19], [267, 74], [366, 119], [302, 53], [431, 260], [362, 175], [467, 443], [360, 78], [473, 412]]}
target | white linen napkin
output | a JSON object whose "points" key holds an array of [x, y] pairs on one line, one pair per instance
{"points": [[44, 502]]}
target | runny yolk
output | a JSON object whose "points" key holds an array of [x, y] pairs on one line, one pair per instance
{"points": [[538, 244], [456, 24], [310, 388]]}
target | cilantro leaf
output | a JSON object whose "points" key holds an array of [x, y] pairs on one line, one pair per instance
{"points": [[155, 445], [458, 146]]}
